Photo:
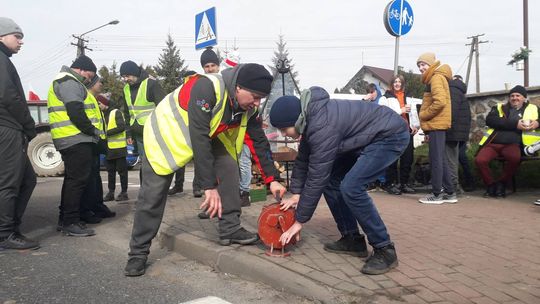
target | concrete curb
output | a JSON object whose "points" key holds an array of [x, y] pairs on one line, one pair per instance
{"points": [[246, 265]]}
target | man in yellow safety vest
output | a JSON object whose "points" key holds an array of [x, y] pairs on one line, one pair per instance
{"points": [[205, 119]]}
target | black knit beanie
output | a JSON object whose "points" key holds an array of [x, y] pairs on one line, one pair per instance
{"points": [[519, 89], [254, 77], [209, 56], [130, 68], [285, 112], [84, 63]]}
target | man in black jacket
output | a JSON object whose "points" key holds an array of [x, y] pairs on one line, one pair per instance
{"points": [[458, 134], [345, 145], [17, 128]]}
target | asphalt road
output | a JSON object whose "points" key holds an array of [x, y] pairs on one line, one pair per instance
{"points": [[90, 270]]}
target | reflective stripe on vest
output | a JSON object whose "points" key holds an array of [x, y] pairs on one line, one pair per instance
{"points": [[61, 125], [167, 141], [141, 108], [527, 137], [115, 141]]}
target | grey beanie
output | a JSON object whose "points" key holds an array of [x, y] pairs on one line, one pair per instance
{"points": [[8, 26]]}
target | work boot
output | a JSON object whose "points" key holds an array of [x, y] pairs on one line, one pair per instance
{"points": [[197, 193], [135, 267], [122, 196], [17, 241], [490, 190], [500, 190], [103, 211], [109, 196], [90, 218], [405, 188], [241, 236], [354, 245], [244, 195], [176, 189], [381, 260], [77, 229], [203, 215], [394, 189]]}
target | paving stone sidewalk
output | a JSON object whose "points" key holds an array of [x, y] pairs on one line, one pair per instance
{"points": [[476, 251]]}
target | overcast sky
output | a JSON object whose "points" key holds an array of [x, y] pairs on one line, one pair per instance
{"points": [[328, 41]]}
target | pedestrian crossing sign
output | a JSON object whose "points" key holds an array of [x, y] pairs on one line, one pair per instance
{"points": [[205, 29]]}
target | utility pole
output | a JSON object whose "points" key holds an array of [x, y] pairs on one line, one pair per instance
{"points": [[81, 46], [526, 41], [474, 50]]}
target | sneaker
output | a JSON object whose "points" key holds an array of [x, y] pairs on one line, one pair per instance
{"points": [[537, 202], [500, 190], [381, 260], [135, 267], [109, 197], [197, 193], [450, 198], [354, 245], [244, 195], [490, 191], [18, 241], [77, 229], [405, 188], [122, 196], [432, 199], [241, 236], [203, 215], [393, 189], [176, 189], [371, 187]]}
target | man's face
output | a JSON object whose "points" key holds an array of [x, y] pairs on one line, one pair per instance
{"points": [[516, 100], [247, 100], [88, 75], [290, 132], [129, 79], [422, 66], [371, 95], [13, 42], [211, 68]]}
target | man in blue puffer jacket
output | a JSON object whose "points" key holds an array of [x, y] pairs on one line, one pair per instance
{"points": [[344, 145]]}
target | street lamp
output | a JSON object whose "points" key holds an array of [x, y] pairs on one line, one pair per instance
{"points": [[81, 42]]}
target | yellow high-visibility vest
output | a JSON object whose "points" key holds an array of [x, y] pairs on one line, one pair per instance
{"points": [[115, 141], [141, 108], [61, 125], [167, 141], [527, 137]]}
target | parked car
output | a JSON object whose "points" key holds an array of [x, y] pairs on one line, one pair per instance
{"points": [[132, 158]]}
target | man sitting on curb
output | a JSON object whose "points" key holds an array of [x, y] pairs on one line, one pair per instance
{"points": [[511, 125], [345, 145]]}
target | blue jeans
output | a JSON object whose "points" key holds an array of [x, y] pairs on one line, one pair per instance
{"points": [[245, 168], [346, 193]]}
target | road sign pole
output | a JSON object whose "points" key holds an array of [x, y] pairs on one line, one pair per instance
{"points": [[396, 56]]}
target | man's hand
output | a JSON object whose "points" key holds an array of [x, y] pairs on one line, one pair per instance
{"points": [[277, 189], [294, 231], [130, 141], [290, 202], [212, 203], [414, 130]]}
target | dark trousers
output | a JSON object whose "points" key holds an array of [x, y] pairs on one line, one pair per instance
{"points": [[153, 197], [17, 179], [440, 171], [346, 193], [405, 163], [512, 157], [464, 162], [78, 175], [117, 165], [179, 179]]}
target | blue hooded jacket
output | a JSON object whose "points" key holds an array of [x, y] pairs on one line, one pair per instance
{"points": [[335, 128]]}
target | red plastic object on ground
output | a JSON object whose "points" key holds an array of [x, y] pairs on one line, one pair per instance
{"points": [[272, 223]]}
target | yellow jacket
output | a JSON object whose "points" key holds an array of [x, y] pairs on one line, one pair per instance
{"points": [[436, 109]]}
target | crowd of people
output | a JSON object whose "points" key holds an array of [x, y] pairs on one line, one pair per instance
{"points": [[211, 120]]}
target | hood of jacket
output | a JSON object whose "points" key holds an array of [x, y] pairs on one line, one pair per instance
{"points": [[437, 68], [459, 85], [230, 77]]}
